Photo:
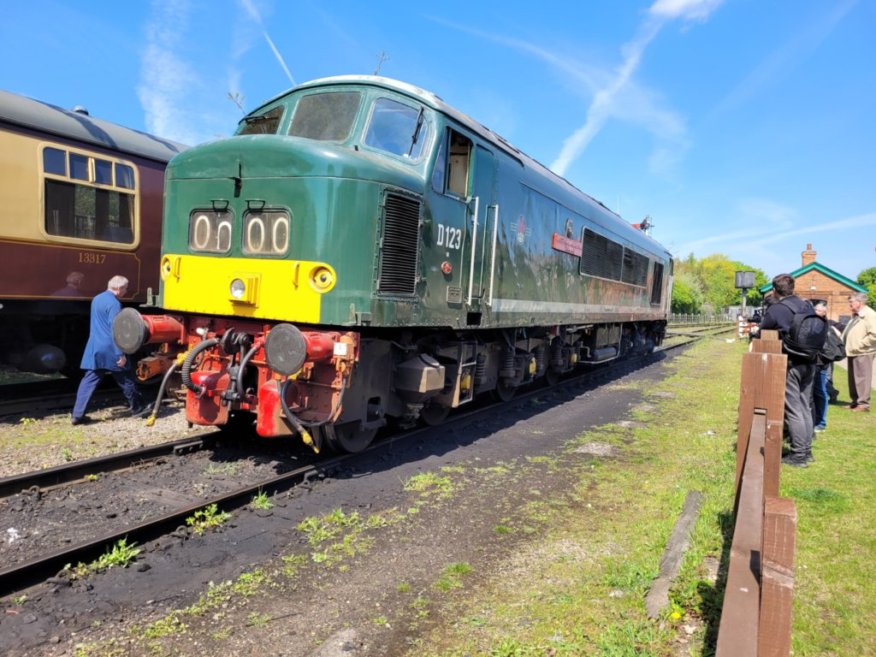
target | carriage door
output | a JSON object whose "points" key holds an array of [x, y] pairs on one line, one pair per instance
{"points": [[481, 229]]}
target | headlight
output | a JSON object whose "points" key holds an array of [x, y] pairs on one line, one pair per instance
{"points": [[322, 279], [238, 289]]}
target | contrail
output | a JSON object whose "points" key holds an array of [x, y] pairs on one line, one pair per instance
{"points": [[254, 14]]}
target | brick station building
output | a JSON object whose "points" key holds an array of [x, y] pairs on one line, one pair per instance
{"points": [[816, 282]]}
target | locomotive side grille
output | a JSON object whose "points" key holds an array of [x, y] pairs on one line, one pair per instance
{"points": [[399, 248]]}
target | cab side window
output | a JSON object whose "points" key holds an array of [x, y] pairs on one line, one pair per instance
{"points": [[450, 175]]}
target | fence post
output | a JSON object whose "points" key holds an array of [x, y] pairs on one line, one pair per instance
{"points": [[777, 577], [762, 386]]}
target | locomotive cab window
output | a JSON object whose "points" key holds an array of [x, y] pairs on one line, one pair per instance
{"points": [[262, 124], [87, 197], [326, 116], [451, 174], [397, 128]]}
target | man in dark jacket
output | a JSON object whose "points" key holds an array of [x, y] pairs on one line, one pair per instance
{"points": [[800, 375], [102, 356]]}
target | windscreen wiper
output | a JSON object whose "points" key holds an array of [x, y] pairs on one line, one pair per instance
{"points": [[416, 135]]}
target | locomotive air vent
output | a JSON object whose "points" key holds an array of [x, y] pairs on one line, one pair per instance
{"points": [[398, 256]]}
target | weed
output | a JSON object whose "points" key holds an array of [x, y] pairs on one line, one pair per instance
{"points": [[403, 587], [66, 454], [503, 529], [256, 619], [167, 626], [221, 470], [292, 564], [428, 483], [27, 421], [261, 501], [451, 576], [19, 600], [91, 477], [207, 518], [120, 555], [381, 621]]}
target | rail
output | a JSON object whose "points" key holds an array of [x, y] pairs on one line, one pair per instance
{"points": [[700, 320], [756, 613]]}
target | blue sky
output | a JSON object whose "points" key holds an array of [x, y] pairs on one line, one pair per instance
{"points": [[741, 127]]}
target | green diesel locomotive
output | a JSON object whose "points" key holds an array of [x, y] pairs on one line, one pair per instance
{"points": [[359, 251]]}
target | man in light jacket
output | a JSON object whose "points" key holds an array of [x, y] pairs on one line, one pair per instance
{"points": [[860, 340]]}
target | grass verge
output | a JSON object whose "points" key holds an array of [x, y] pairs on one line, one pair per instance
{"points": [[577, 586]]}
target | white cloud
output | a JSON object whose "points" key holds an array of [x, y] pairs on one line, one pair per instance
{"points": [[252, 10], [605, 101], [685, 9], [787, 57], [164, 77], [623, 100]]}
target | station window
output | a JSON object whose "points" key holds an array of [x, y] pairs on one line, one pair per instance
{"points": [[87, 197]]}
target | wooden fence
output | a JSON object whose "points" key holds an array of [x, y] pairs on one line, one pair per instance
{"points": [[756, 614]]}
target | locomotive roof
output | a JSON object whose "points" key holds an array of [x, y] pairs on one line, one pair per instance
{"points": [[437, 103], [38, 115]]}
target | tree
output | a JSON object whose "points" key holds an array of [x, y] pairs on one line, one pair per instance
{"points": [[711, 283], [867, 278]]}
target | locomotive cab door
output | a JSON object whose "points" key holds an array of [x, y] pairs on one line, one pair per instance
{"points": [[480, 235]]}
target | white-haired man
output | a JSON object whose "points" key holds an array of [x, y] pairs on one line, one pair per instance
{"points": [[102, 356], [860, 340]]}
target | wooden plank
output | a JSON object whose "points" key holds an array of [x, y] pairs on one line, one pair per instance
{"points": [[762, 386], [777, 577], [658, 595], [766, 346], [769, 334], [738, 631]]}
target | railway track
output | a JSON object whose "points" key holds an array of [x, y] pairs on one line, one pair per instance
{"points": [[19, 576]]}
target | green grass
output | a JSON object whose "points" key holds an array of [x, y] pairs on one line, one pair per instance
{"points": [[835, 588], [577, 585]]}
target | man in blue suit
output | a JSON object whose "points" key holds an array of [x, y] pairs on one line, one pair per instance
{"points": [[102, 356]]}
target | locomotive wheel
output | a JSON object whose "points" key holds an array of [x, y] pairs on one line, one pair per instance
{"points": [[505, 392], [434, 414], [349, 437]]}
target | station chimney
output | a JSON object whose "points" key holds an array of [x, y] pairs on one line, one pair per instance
{"points": [[808, 255]]}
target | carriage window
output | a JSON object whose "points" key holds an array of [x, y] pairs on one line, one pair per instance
{"points": [[325, 116], [124, 176], [103, 172], [262, 124], [396, 128], [76, 207], [84, 212], [79, 166], [55, 161]]}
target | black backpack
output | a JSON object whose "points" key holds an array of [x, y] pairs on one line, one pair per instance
{"points": [[805, 338], [833, 349]]}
